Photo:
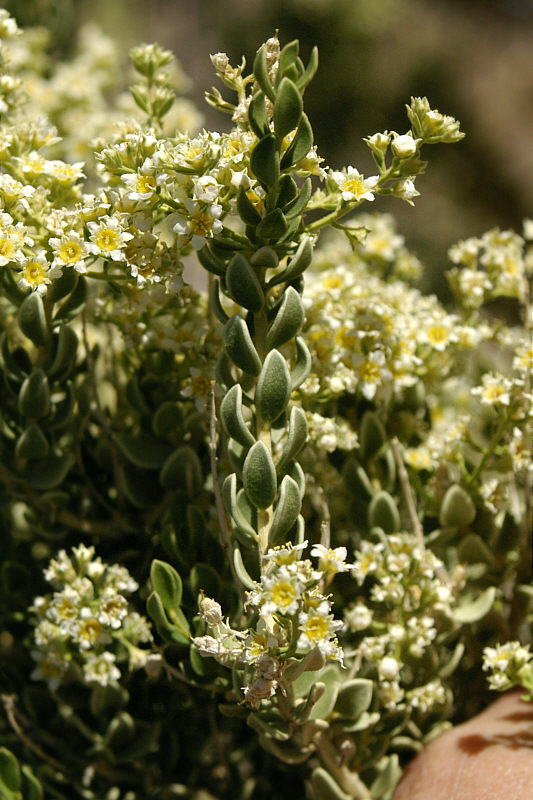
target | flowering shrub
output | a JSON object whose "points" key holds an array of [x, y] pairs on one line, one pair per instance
{"points": [[317, 488]]}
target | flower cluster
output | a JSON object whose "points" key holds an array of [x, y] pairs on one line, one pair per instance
{"points": [[508, 665], [294, 617], [368, 336], [410, 600], [86, 627], [493, 265]]}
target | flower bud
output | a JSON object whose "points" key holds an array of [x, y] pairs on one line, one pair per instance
{"points": [[404, 146], [210, 611]]}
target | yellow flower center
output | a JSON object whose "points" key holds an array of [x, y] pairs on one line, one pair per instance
{"points": [[7, 248], [201, 224], [107, 239], [283, 594], [146, 184], [201, 385], [70, 251], [90, 630], [437, 334], [35, 273], [316, 628], [369, 372], [354, 186]]}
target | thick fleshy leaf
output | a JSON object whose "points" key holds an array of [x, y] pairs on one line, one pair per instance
{"points": [[232, 418], [243, 284], [32, 319], [457, 507], [239, 346], [288, 320], [288, 108], [259, 476], [287, 511], [264, 161], [273, 387], [34, 396]]}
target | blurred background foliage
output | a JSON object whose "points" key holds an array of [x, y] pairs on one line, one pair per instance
{"points": [[470, 57]]}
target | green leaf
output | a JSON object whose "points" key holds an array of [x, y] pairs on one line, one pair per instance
{"points": [[75, 302], [354, 697], [32, 789], [383, 513], [472, 549], [240, 569], [312, 661], [297, 435], [9, 771], [259, 476], [356, 480], [288, 56], [288, 320], [260, 70], [243, 284], [210, 262], [372, 435], [287, 511], [183, 470], [32, 319], [302, 366], [298, 263], [305, 79], [288, 108], [264, 161], [32, 444], [239, 346], [34, 396], [49, 472], [60, 287], [167, 418], [143, 451], [273, 227], [257, 116], [247, 211], [273, 387], [390, 773], [287, 191], [234, 507], [265, 257], [66, 347], [472, 610], [299, 203], [232, 418], [331, 679], [167, 583], [300, 145], [457, 507], [325, 787]]}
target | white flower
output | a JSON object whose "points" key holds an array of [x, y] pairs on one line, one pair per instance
{"points": [[202, 222], [206, 189], [494, 391], [101, 669], [358, 617], [353, 185], [331, 560], [69, 250], [388, 668], [281, 592], [37, 273], [108, 238]]}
